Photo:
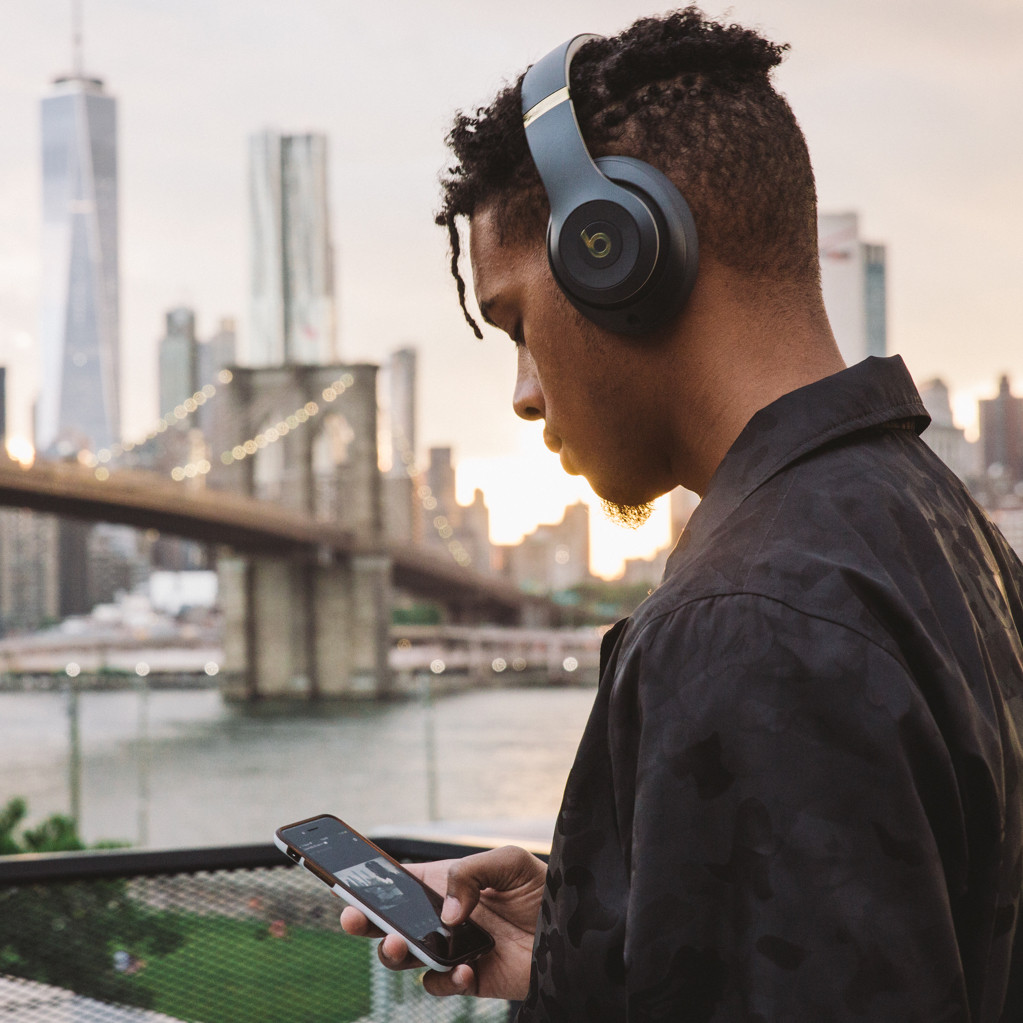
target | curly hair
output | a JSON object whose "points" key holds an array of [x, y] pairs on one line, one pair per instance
{"points": [[690, 96]]}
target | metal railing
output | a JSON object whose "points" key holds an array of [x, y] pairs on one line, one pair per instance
{"points": [[223, 935]]}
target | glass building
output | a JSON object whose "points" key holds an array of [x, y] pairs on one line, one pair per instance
{"points": [[291, 255], [79, 403], [179, 359], [853, 279]]}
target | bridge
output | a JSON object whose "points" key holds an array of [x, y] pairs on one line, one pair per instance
{"points": [[307, 602], [247, 525]]}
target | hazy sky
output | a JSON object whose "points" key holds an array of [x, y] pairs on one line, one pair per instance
{"points": [[912, 110]]}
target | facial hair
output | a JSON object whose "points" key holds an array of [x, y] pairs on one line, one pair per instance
{"points": [[631, 516]]}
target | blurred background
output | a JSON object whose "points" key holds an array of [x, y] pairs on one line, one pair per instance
{"points": [[187, 156]]}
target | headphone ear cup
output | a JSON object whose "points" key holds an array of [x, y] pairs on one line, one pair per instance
{"points": [[674, 260]]}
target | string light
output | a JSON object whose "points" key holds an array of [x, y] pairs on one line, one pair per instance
{"points": [[247, 448], [178, 414], [271, 435]]}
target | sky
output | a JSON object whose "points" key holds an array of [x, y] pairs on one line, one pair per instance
{"points": [[911, 110]]}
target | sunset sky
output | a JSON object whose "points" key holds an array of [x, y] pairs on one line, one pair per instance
{"points": [[911, 111]]}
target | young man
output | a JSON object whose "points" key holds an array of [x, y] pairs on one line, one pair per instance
{"points": [[798, 793]]}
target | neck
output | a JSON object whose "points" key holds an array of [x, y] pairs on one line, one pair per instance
{"points": [[739, 346]]}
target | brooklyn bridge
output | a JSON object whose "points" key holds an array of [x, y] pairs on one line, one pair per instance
{"points": [[308, 575]]}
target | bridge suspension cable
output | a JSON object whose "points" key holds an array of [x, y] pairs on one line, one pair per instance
{"points": [[251, 445], [178, 414], [428, 502]]}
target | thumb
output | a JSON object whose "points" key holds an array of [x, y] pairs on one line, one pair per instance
{"points": [[501, 869]]}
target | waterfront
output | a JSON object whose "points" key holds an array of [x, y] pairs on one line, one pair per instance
{"points": [[181, 768]]}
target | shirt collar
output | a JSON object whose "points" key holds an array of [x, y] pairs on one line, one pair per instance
{"points": [[873, 393]]}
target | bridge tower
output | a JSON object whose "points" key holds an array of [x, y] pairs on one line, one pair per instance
{"points": [[305, 437]]}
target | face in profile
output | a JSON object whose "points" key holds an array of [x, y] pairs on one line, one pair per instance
{"points": [[582, 382]]}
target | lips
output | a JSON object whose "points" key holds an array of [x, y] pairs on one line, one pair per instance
{"points": [[552, 440]]}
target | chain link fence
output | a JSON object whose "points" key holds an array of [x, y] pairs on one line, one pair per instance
{"points": [[206, 936]]}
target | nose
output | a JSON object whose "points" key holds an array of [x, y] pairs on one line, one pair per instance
{"points": [[528, 398]]}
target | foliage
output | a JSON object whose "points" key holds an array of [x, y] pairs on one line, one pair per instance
{"points": [[66, 933], [420, 613], [601, 602]]}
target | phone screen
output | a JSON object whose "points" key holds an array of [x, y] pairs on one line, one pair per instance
{"points": [[384, 886]]}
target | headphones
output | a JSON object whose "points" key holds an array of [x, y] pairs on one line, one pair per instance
{"points": [[621, 240]]}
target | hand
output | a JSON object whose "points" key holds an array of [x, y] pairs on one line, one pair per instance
{"points": [[501, 890]]}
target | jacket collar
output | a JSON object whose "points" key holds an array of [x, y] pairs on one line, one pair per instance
{"points": [[873, 393]]}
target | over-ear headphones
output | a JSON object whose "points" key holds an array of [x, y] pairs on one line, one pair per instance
{"points": [[621, 239]]}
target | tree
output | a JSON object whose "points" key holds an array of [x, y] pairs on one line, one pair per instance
{"points": [[66, 933]]}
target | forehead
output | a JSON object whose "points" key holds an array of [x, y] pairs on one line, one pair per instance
{"points": [[500, 266]]}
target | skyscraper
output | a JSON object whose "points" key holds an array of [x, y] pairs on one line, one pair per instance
{"points": [[853, 278], [79, 404], [179, 359], [215, 353], [292, 258], [402, 418], [1001, 434], [944, 438]]}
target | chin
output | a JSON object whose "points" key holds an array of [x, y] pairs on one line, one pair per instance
{"points": [[568, 466], [631, 516], [621, 494]]}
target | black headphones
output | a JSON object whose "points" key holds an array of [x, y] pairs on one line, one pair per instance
{"points": [[621, 239]]}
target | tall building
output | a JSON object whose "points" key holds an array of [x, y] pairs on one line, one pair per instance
{"points": [[401, 521], [291, 257], [215, 353], [179, 359], [402, 418], [28, 556], [853, 278], [554, 556], [79, 405], [29, 570], [1001, 434], [945, 439]]}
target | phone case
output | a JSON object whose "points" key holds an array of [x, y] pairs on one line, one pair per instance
{"points": [[293, 854]]}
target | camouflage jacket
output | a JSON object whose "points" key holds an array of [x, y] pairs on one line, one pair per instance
{"points": [[797, 796]]}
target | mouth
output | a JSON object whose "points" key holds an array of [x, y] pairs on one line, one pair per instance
{"points": [[552, 440], [554, 444]]}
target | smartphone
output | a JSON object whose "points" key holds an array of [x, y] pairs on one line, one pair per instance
{"points": [[395, 900]]}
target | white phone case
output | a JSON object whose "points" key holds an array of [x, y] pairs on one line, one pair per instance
{"points": [[348, 897]]}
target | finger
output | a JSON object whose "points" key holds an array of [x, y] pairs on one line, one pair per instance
{"points": [[395, 955], [357, 924], [459, 981], [502, 869]]}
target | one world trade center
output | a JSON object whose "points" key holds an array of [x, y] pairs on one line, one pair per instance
{"points": [[79, 334]]}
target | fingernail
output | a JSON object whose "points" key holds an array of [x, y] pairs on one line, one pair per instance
{"points": [[449, 912], [459, 982]]}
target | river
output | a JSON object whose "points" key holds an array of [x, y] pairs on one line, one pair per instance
{"points": [[181, 768]]}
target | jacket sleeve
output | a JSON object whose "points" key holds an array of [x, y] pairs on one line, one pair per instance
{"points": [[795, 812]]}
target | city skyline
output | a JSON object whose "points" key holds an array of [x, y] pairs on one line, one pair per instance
{"points": [[909, 122]]}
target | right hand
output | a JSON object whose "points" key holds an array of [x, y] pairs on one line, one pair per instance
{"points": [[501, 889]]}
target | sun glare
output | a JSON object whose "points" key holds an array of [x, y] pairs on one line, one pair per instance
{"points": [[524, 490], [21, 450]]}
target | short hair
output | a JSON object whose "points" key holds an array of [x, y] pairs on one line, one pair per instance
{"points": [[690, 96]]}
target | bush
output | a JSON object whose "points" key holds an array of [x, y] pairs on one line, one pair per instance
{"points": [[66, 933]]}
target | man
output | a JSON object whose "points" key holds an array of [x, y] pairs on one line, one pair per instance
{"points": [[797, 796]]}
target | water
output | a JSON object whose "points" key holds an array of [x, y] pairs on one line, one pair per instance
{"points": [[180, 768]]}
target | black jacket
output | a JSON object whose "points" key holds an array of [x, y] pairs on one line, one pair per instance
{"points": [[797, 797]]}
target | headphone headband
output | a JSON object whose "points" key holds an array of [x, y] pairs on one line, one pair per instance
{"points": [[616, 223]]}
